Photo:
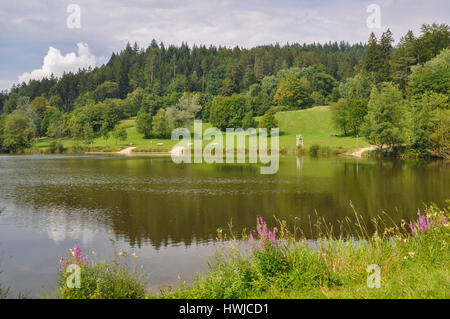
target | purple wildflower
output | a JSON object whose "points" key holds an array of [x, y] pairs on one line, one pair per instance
{"points": [[423, 224], [266, 238]]}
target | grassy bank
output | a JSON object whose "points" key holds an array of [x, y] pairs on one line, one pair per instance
{"points": [[412, 259], [315, 124]]}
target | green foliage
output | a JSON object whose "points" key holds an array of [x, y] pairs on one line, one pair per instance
{"points": [[151, 102], [120, 134], [56, 148], [318, 80], [317, 98], [257, 101], [357, 111], [440, 138], [24, 108], [340, 112], [183, 113], [11, 103], [387, 117], [227, 111], [39, 106], [292, 77], [403, 58], [56, 101], [134, 102], [227, 88], [214, 80], [88, 134], [248, 121], [144, 123], [18, 133], [434, 38], [432, 76], [178, 85], [268, 121], [205, 100], [106, 90], [430, 122], [120, 279], [378, 55], [314, 150], [171, 99], [111, 112], [292, 92], [105, 132], [160, 127]]}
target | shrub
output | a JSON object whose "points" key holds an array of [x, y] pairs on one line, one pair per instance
{"points": [[268, 255], [56, 147], [100, 280], [314, 150]]}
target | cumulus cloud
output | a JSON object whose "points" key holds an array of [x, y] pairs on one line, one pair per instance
{"points": [[56, 63]]}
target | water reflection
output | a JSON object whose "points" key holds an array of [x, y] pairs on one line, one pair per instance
{"points": [[151, 204]]}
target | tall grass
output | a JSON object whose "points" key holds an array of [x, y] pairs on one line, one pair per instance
{"points": [[413, 265], [4, 291], [120, 279], [284, 262]]}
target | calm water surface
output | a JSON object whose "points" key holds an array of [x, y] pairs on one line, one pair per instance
{"points": [[168, 214]]}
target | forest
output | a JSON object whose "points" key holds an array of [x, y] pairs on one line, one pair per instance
{"points": [[395, 96]]}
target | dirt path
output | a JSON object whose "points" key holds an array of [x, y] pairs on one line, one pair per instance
{"points": [[127, 151], [177, 151], [358, 152]]}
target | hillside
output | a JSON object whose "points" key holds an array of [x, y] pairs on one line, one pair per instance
{"points": [[315, 124]]}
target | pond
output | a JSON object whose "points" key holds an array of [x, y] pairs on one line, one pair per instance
{"points": [[169, 213]]}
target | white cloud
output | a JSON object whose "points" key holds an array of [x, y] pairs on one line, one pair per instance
{"points": [[56, 63]]}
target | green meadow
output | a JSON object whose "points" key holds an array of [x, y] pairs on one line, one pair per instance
{"points": [[315, 125]]}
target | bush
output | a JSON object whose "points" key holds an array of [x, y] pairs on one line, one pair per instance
{"points": [[268, 255], [99, 280], [56, 147], [314, 150]]}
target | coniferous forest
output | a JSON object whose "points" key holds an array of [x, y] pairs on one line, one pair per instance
{"points": [[393, 94]]}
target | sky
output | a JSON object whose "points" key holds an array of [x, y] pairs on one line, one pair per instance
{"points": [[41, 37]]}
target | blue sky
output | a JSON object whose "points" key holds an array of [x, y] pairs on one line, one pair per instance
{"points": [[35, 36]]}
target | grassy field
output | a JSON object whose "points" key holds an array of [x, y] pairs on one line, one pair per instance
{"points": [[314, 124], [134, 139]]}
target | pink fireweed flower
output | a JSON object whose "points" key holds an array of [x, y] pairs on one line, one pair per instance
{"points": [[422, 225], [266, 238], [78, 255]]}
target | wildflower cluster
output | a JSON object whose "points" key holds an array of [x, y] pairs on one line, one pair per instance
{"points": [[75, 256], [267, 254], [266, 238], [422, 225], [102, 280]]}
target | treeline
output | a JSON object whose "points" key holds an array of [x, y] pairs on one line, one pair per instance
{"points": [[400, 98], [212, 70], [167, 88]]}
